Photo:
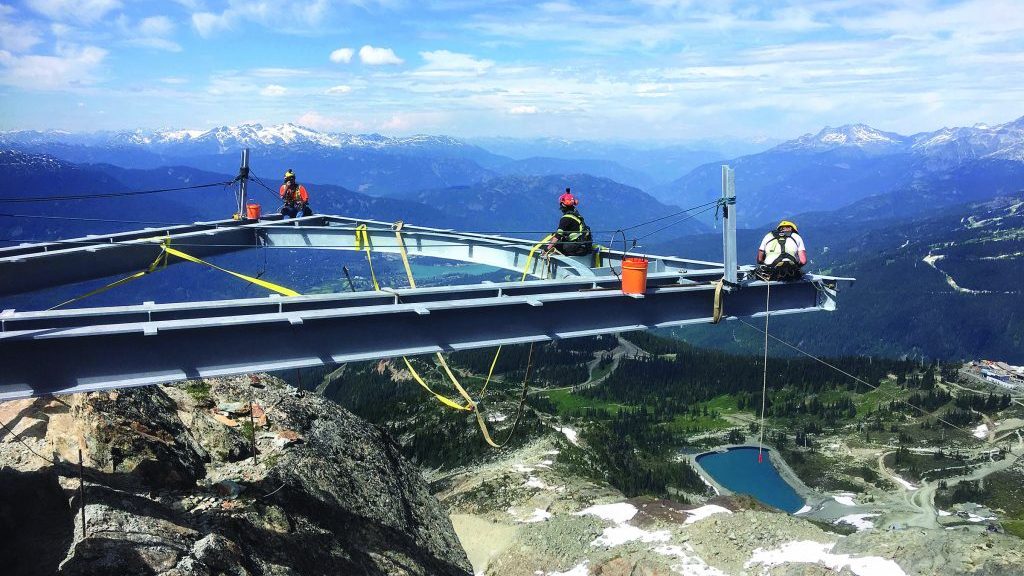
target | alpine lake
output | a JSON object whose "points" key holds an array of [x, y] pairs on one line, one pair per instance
{"points": [[738, 470]]}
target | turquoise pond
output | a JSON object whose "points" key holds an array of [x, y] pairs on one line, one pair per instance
{"points": [[737, 469]]}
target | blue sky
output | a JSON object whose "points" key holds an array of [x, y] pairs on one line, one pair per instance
{"points": [[664, 70]]}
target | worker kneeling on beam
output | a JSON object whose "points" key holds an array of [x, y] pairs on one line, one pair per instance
{"points": [[294, 196], [573, 237], [782, 254]]}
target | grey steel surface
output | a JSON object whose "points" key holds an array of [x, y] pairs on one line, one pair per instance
{"points": [[729, 223], [92, 349], [64, 351], [33, 266]]}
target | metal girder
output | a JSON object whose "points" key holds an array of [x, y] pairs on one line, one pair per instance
{"points": [[79, 350], [33, 266]]}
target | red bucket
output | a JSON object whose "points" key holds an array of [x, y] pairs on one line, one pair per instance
{"points": [[634, 276], [252, 211]]}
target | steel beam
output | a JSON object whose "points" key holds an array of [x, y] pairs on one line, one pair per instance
{"points": [[33, 266], [101, 348]]}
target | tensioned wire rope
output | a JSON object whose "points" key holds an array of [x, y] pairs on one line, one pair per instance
{"points": [[868, 384], [57, 198], [253, 177]]}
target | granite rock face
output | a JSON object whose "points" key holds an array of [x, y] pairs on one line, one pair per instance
{"points": [[171, 488]]}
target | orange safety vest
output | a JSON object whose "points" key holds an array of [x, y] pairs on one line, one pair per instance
{"points": [[292, 195]]}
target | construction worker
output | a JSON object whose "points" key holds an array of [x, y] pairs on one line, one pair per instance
{"points": [[294, 196], [573, 237], [782, 254]]}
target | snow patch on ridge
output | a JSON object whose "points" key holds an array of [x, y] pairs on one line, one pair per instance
{"points": [[703, 512], [809, 552], [619, 512]]}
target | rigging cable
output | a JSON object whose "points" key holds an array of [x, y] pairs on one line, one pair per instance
{"points": [[764, 380], [109, 194], [868, 384]]}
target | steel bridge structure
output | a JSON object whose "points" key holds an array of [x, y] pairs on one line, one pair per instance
{"points": [[87, 349]]}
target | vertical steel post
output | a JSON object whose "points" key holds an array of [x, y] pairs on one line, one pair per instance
{"points": [[243, 181], [729, 223], [81, 489]]}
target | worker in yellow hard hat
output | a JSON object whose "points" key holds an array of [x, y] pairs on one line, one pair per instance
{"points": [[782, 254], [294, 196]]}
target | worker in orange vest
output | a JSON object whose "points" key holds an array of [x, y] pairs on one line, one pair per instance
{"points": [[294, 196]]}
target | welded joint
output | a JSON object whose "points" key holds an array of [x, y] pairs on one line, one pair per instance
{"points": [[295, 320], [149, 329], [534, 302]]}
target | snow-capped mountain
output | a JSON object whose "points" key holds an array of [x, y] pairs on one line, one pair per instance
{"points": [[860, 136], [225, 139], [838, 166], [1004, 142]]}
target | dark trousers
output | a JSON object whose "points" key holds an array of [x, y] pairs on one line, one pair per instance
{"points": [[292, 210]]}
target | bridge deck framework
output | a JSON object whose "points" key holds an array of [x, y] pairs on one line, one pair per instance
{"points": [[84, 349]]}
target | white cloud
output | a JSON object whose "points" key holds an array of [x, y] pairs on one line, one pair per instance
{"points": [[318, 121], [337, 90], [271, 72], [378, 56], [151, 32], [445, 63], [174, 80], [273, 90], [287, 16], [156, 43], [17, 36], [156, 26], [522, 110], [86, 11], [207, 23], [71, 66], [342, 55]]}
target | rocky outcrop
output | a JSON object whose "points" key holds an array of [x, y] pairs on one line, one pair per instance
{"points": [[171, 488]]}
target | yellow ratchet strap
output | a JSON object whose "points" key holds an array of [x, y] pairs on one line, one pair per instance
{"points": [[268, 285], [490, 372], [161, 258], [443, 399], [533, 251], [597, 255], [363, 243], [405, 256], [716, 312]]}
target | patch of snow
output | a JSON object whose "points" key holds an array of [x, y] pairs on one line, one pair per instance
{"points": [[709, 484], [809, 552], [521, 468], [538, 516], [858, 521], [534, 482], [803, 510], [578, 570], [690, 564], [570, 435], [623, 533], [496, 417], [619, 512], [703, 512], [552, 453], [903, 483], [844, 498], [975, 518], [944, 513], [981, 431]]}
